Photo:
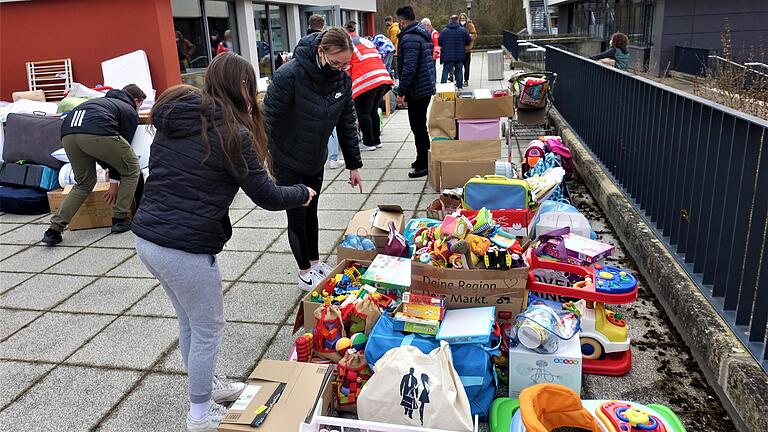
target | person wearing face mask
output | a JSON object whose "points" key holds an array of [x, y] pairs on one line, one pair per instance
{"points": [[466, 23], [307, 98]]}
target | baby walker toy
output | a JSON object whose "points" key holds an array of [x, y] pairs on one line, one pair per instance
{"points": [[545, 407], [605, 345]]}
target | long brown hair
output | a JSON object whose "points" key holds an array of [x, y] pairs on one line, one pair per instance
{"points": [[230, 87]]}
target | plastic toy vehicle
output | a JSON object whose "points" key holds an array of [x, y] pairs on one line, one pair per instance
{"points": [[602, 331], [557, 406]]}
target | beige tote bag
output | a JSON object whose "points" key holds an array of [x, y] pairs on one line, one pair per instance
{"points": [[411, 388]]}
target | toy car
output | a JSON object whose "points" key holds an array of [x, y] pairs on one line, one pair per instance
{"points": [[602, 330]]}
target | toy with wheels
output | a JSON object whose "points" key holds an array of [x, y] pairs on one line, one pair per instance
{"points": [[545, 407]]}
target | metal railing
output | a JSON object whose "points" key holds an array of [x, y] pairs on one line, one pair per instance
{"points": [[696, 170]]}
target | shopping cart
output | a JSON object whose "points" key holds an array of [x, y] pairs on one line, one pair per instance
{"points": [[534, 97]]}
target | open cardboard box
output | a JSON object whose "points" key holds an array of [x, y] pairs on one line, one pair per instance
{"points": [[305, 315], [305, 384], [452, 160], [94, 213], [372, 223], [497, 107]]}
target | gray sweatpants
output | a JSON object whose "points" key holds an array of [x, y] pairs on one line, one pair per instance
{"points": [[193, 283]]}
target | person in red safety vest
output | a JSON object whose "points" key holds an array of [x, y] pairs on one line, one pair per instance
{"points": [[370, 82], [427, 24]]}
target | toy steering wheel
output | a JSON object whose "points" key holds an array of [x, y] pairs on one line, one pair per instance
{"points": [[637, 418]]}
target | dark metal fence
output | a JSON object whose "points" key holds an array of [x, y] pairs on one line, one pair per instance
{"points": [[696, 170]]}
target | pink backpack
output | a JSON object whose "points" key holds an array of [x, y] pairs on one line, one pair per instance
{"points": [[556, 146]]}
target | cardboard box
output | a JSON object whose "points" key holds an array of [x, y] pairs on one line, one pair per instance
{"points": [[343, 253], [479, 129], [527, 368], [454, 173], [465, 159], [485, 108], [389, 273], [464, 288], [304, 384], [94, 213], [374, 223], [441, 120], [445, 91], [305, 315]]}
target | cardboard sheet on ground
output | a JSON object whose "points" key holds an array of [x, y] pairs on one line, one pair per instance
{"points": [[141, 143], [131, 68]]}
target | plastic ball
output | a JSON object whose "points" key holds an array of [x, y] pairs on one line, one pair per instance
{"points": [[359, 340], [342, 345]]}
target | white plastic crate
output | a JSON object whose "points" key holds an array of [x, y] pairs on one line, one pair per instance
{"points": [[335, 424]]}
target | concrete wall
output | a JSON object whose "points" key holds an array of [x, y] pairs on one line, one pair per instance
{"points": [[699, 23]]}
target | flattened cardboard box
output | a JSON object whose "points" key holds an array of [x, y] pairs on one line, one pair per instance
{"points": [[94, 213], [498, 107], [505, 289], [373, 223], [305, 315], [304, 382]]}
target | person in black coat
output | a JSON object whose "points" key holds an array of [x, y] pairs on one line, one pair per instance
{"points": [[307, 98], [209, 144], [417, 82], [453, 41]]}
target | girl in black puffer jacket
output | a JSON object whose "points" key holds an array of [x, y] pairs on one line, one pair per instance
{"points": [[307, 98], [209, 144]]}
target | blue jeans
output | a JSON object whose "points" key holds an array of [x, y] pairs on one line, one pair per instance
{"points": [[388, 63], [333, 146], [458, 73]]}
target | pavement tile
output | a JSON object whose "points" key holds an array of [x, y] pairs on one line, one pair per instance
{"points": [[402, 163], [242, 201], [83, 237], [156, 303], [328, 239], [108, 295], [232, 264], [376, 163], [5, 227], [260, 302], [281, 345], [43, 291], [12, 320], [407, 152], [397, 174], [17, 376], [252, 239], [8, 250], [52, 337], [92, 261], [263, 219], [334, 219], [273, 267], [129, 342], [379, 154], [160, 403], [8, 279], [370, 177], [120, 241], [24, 235], [342, 201], [20, 219], [236, 214], [407, 202], [241, 348], [341, 187], [68, 399], [133, 267], [397, 187]]}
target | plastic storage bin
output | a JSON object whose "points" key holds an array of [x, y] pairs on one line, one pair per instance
{"points": [[479, 129], [495, 65]]}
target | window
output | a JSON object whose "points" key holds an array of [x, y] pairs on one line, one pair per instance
{"points": [[271, 24]]}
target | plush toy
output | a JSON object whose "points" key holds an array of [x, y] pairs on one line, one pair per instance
{"points": [[462, 248], [479, 245]]}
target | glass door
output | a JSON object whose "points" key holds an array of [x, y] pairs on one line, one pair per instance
{"points": [[271, 24], [331, 14]]}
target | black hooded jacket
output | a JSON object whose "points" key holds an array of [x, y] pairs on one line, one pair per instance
{"points": [[414, 62], [186, 201], [112, 115], [302, 106]]}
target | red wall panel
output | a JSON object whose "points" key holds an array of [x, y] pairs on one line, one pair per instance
{"points": [[88, 32]]}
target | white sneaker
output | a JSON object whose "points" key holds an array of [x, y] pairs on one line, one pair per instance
{"points": [[364, 147], [224, 391], [334, 164], [322, 269], [309, 280], [209, 423], [378, 146]]}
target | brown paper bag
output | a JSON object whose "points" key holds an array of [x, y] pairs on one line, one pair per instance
{"points": [[351, 375], [328, 329], [442, 119]]}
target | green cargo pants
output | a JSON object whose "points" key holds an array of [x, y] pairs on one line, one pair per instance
{"points": [[83, 150]]}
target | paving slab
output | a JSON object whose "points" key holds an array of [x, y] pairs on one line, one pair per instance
{"points": [[20, 219], [370, 176], [15, 377], [133, 342], [401, 163], [260, 302], [12, 320], [24, 234], [340, 187], [236, 214], [52, 337], [108, 295], [342, 201], [327, 241], [133, 267], [160, 403], [156, 303], [43, 291], [119, 241], [9, 280], [263, 219], [252, 239], [377, 163], [273, 267], [407, 202], [83, 237], [334, 219], [232, 263], [281, 345], [68, 399], [92, 261], [241, 349], [398, 187], [6, 250], [5, 227], [242, 201], [37, 258]]}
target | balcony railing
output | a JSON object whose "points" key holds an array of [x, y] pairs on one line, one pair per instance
{"points": [[696, 170]]}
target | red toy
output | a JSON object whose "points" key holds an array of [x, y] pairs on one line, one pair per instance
{"points": [[304, 347]]}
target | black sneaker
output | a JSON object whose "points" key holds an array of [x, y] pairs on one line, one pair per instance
{"points": [[418, 172], [52, 237], [121, 225]]}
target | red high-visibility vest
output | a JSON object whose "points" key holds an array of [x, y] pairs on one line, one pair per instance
{"points": [[366, 69], [436, 49]]}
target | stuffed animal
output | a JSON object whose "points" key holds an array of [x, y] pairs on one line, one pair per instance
{"points": [[461, 247]]}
